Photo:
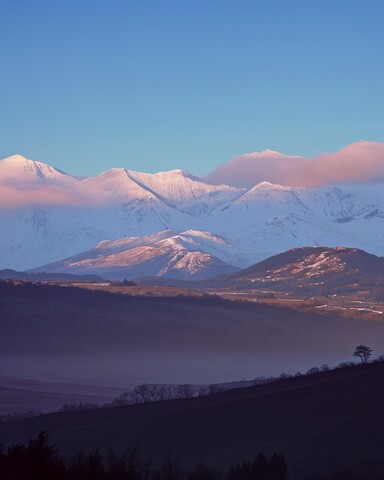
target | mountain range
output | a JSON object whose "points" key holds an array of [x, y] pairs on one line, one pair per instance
{"points": [[101, 223]]}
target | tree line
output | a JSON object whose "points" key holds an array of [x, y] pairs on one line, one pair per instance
{"points": [[145, 393], [152, 392], [38, 459]]}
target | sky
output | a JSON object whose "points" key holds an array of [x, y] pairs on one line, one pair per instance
{"points": [[88, 85]]}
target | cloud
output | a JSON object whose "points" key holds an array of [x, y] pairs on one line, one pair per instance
{"points": [[358, 162], [21, 195]]}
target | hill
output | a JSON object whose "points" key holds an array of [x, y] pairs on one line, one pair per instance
{"points": [[46, 277], [321, 422], [316, 270]]}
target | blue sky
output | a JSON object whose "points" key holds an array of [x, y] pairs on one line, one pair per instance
{"points": [[156, 85]]}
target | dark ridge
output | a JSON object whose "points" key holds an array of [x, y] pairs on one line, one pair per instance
{"points": [[45, 277]]}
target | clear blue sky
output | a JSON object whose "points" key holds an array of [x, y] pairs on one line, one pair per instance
{"points": [[154, 85]]}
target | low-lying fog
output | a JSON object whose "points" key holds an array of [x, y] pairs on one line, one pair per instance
{"points": [[101, 341]]}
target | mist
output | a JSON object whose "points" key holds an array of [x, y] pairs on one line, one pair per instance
{"points": [[75, 336]]}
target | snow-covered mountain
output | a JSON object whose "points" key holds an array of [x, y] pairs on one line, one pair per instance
{"points": [[20, 171], [165, 254], [46, 215]]}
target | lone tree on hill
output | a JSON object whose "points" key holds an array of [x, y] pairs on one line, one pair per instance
{"points": [[363, 352]]}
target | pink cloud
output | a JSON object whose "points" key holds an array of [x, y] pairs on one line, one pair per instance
{"points": [[359, 162], [20, 195]]}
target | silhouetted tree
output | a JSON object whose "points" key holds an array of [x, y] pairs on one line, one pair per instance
{"points": [[201, 472], [95, 466], [277, 467], [246, 471], [169, 470], [184, 391], [233, 473], [363, 352], [144, 393], [313, 370], [260, 467], [39, 460], [36, 460]]}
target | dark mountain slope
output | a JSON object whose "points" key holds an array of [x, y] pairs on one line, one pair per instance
{"points": [[320, 421]]}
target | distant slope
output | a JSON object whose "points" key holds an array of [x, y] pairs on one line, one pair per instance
{"points": [[44, 276], [321, 422], [316, 270], [187, 255], [20, 395]]}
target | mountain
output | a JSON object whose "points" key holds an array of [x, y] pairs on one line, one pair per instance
{"points": [[46, 215], [20, 171], [324, 423], [315, 270], [165, 254]]}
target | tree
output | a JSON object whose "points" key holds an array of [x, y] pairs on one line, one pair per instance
{"points": [[37, 460], [363, 352], [260, 467], [278, 467], [169, 470]]}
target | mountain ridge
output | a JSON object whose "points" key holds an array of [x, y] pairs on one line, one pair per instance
{"points": [[165, 254], [44, 221]]}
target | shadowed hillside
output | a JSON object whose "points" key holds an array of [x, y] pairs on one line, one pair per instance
{"points": [[321, 422]]}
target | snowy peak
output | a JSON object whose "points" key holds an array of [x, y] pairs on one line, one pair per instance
{"points": [[21, 169], [181, 188], [269, 186], [113, 185], [121, 244], [164, 254]]}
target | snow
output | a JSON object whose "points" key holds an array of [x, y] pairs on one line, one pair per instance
{"points": [[121, 209], [19, 168]]}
